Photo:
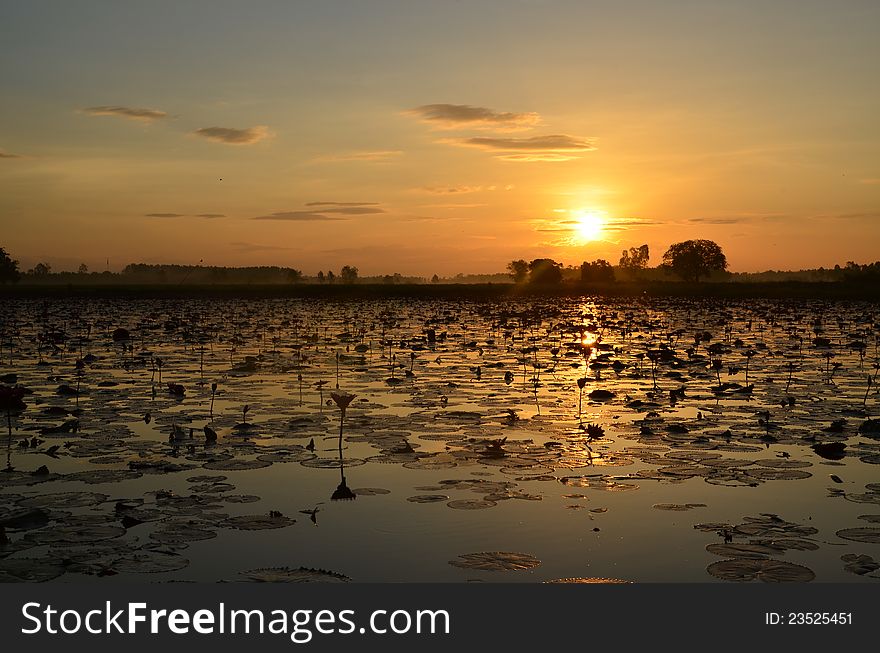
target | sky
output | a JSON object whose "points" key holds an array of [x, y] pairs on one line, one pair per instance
{"points": [[438, 137]]}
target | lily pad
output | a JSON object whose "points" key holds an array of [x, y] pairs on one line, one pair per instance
{"points": [[288, 575], [768, 571], [496, 561]]}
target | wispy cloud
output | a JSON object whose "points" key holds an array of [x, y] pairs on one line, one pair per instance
{"points": [[463, 189], [742, 218], [9, 155], [873, 181], [547, 157], [322, 211], [255, 247], [549, 148], [455, 116], [459, 205], [342, 204], [297, 216], [549, 143], [184, 215], [451, 190], [131, 113], [231, 136], [374, 156]]}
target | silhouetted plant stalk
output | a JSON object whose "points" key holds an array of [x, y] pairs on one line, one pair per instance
{"points": [[213, 394], [749, 354], [581, 382]]}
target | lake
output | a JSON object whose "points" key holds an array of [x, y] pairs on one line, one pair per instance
{"points": [[593, 439]]}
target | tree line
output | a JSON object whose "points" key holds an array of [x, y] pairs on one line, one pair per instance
{"points": [[690, 260]]}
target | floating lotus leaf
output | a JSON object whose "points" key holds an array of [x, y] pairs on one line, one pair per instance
{"points": [[288, 575], [236, 465], [286, 456], [370, 491], [75, 534], [868, 535], [590, 581], [332, 463], [496, 561], [783, 463], [471, 504], [149, 562], [240, 498], [257, 522], [678, 506], [98, 476], [180, 532], [774, 474], [594, 483], [733, 550], [859, 564], [206, 478], [427, 498], [216, 488], [874, 519], [768, 571], [30, 570], [23, 518]]}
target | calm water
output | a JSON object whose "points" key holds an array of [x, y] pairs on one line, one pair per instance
{"points": [[733, 440]]}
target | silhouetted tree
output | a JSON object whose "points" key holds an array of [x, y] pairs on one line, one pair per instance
{"points": [[8, 268], [545, 271], [635, 258], [348, 274], [82, 269], [41, 269], [693, 259], [320, 276], [330, 276], [294, 275], [518, 270], [435, 279], [599, 270]]}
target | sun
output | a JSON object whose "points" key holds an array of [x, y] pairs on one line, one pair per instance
{"points": [[589, 225]]}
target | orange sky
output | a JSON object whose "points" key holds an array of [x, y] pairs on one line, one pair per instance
{"points": [[424, 138]]}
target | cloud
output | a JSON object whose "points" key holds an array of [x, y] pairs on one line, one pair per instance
{"points": [[231, 136], [324, 211], [549, 157], [255, 247], [451, 190], [454, 206], [549, 143], [352, 210], [131, 113], [9, 155], [183, 215], [549, 148], [297, 216], [453, 116], [873, 181], [738, 218], [375, 156], [342, 204]]}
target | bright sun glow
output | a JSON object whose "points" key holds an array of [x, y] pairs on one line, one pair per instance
{"points": [[589, 224]]}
